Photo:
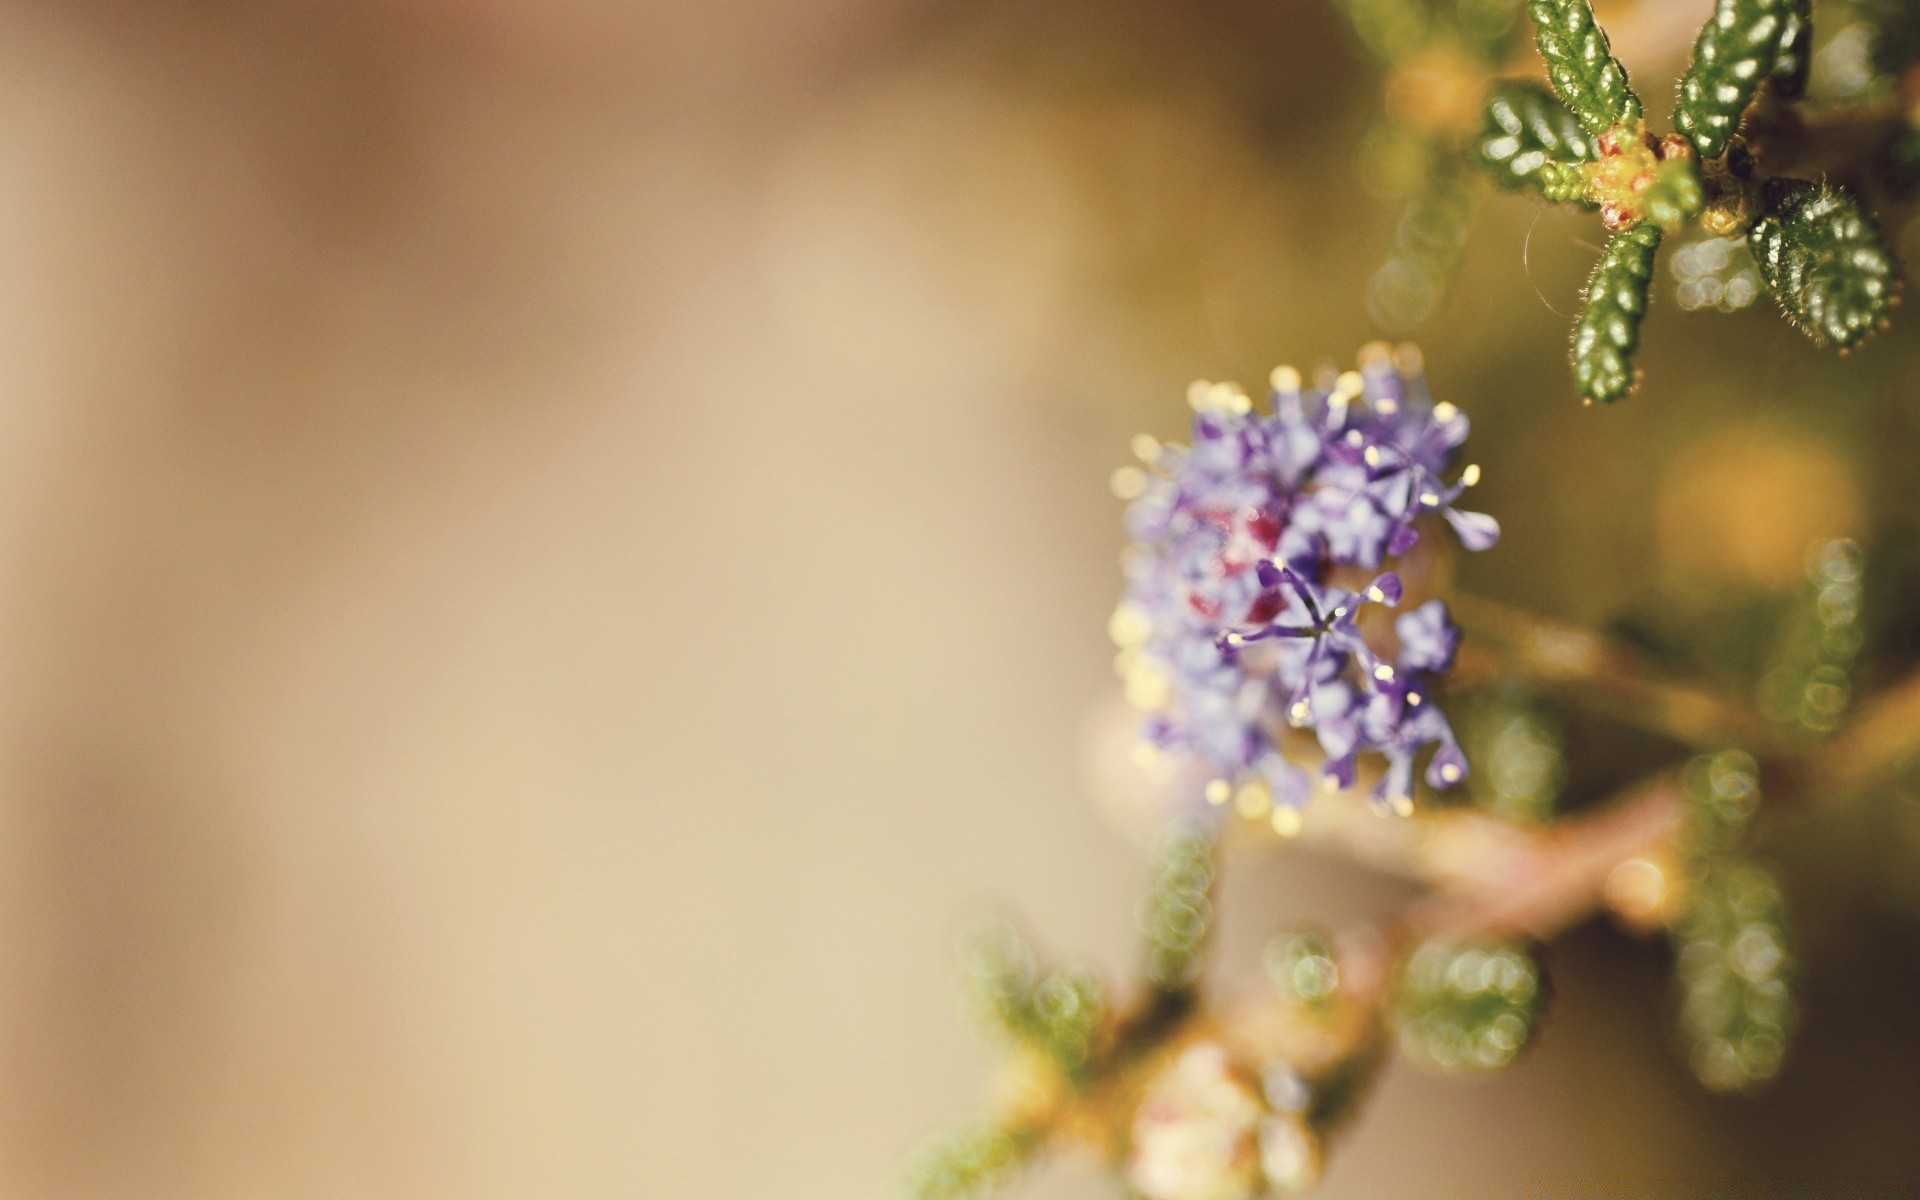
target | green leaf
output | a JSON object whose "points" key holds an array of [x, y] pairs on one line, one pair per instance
{"points": [[1733, 971], [1807, 683], [1824, 261], [1178, 910], [1608, 331], [1738, 47], [966, 1162], [1301, 968], [1468, 1007], [1794, 61], [1722, 793], [1581, 66], [1519, 756], [1528, 139], [1059, 1015]]}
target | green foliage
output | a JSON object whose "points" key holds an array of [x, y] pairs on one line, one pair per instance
{"points": [[1487, 23], [965, 1162], [1301, 968], [1178, 910], [1059, 1014], [1824, 261], [1467, 1007], [1581, 66], [1733, 970], [1794, 61], [1608, 331], [1406, 289], [1529, 139], [1391, 30], [1518, 755], [1722, 791], [1808, 681], [1738, 48]]}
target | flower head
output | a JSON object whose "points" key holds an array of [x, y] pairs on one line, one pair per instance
{"points": [[1256, 550]]}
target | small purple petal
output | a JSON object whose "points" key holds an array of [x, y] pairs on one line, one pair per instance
{"points": [[1385, 589], [1448, 767], [1477, 531]]}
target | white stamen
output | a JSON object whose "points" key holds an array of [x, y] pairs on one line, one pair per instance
{"points": [[1383, 672], [1471, 475]]}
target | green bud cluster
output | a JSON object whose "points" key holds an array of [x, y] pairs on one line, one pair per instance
{"points": [[1178, 911], [1608, 330], [1824, 261], [1467, 1007], [966, 1162]]}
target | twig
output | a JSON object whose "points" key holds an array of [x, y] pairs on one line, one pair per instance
{"points": [[1604, 674]]}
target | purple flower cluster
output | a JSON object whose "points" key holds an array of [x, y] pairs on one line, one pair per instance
{"points": [[1243, 605]]}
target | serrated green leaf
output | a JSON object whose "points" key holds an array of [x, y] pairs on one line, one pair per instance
{"points": [[1824, 261], [1581, 66], [1737, 49], [1608, 331], [1528, 139]]}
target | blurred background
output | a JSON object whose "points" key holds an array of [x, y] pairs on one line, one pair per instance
{"points": [[552, 553]]}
